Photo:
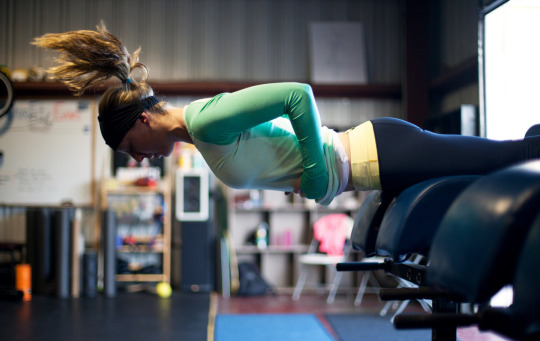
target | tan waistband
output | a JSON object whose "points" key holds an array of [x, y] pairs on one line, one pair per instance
{"points": [[364, 158]]}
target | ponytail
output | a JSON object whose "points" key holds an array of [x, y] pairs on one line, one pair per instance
{"points": [[89, 57]]}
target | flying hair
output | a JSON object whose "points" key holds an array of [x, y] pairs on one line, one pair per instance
{"points": [[90, 57]]}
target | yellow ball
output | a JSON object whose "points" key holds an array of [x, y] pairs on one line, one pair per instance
{"points": [[163, 290]]}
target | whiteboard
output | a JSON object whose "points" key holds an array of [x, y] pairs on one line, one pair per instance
{"points": [[46, 148]]}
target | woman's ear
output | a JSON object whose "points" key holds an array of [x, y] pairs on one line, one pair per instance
{"points": [[144, 118]]}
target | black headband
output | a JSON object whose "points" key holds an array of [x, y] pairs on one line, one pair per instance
{"points": [[115, 124]]}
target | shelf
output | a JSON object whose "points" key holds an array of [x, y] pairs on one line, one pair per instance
{"points": [[139, 249], [277, 208], [291, 208], [248, 249], [205, 88], [142, 215], [142, 278], [134, 190]]}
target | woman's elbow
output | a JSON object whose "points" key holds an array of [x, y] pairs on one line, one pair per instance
{"points": [[303, 88], [300, 93]]}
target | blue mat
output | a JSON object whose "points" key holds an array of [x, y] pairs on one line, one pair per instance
{"points": [[270, 327], [359, 327]]}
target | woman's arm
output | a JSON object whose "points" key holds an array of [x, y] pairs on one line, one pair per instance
{"points": [[226, 116]]}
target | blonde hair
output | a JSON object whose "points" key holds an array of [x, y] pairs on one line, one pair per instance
{"points": [[90, 57]]}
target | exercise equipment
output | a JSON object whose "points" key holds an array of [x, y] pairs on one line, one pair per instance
{"points": [[368, 221], [408, 223], [6, 94], [478, 242], [476, 250], [405, 233], [11, 292], [520, 321], [414, 216], [23, 283]]}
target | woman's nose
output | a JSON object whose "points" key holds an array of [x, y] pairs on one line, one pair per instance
{"points": [[137, 157]]}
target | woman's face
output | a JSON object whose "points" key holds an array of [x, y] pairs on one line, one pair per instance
{"points": [[147, 138]]}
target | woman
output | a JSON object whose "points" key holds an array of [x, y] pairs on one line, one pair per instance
{"points": [[268, 136]]}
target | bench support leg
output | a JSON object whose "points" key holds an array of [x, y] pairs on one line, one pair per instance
{"points": [[442, 332]]}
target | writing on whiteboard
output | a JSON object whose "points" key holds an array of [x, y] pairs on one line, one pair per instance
{"points": [[47, 153], [40, 119], [31, 180]]}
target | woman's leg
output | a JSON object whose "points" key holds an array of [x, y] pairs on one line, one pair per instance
{"points": [[408, 154]]}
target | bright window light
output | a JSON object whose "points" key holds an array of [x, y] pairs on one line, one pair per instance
{"points": [[503, 298], [512, 69]]}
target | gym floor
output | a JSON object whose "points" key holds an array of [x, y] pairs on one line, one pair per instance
{"points": [[143, 316], [316, 304]]}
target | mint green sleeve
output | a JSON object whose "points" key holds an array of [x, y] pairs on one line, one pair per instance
{"points": [[225, 116]]}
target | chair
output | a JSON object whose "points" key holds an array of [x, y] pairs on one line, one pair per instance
{"points": [[363, 288], [330, 245]]}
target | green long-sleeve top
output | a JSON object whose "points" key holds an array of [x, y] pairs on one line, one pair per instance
{"points": [[262, 137]]}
